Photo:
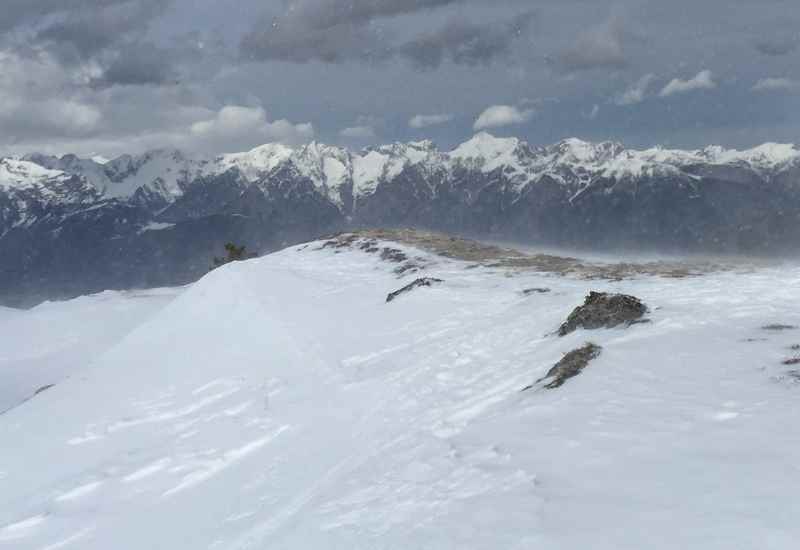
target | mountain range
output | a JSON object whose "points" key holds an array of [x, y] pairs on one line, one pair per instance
{"points": [[71, 225]]}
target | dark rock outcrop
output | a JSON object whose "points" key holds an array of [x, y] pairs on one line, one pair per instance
{"points": [[569, 366], [424, 281], [778, 326], [603, 310], [529, 291], [43, 389]]}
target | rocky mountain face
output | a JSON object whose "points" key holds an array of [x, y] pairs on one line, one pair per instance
{"points": [[70, 225]]}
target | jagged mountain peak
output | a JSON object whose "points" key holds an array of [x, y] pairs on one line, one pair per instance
{"points": [[579, 151], [19, 172], [485, 145], [337, 172], [574, 191]]}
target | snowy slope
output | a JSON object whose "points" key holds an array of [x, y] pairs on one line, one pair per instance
{"points": [[44, 345], [20, 173], [281, 403]]}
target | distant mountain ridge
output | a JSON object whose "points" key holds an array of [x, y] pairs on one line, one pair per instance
{"points": [[70, 225]]}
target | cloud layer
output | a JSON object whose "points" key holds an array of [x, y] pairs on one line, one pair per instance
{"points": [[703, 80], [121, 75], [425, 121], [498, 116], [637, 92], [329, 35], [235, 124], [776, 85]]}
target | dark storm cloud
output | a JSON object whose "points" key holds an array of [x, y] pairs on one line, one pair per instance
{"points": [[322, 14], [83, 33], [290, 40], [94, 28], [465, 43], [777, 46], [336, 31], [110, 33], [20, 12], [121, 75], [328, 30], [602, 46], [139, 64]]}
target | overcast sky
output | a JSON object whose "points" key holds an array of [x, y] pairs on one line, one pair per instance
{"points": [[113, 76]]}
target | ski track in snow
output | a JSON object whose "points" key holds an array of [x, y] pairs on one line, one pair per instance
{"points": [[80, 491], [280, 403]]}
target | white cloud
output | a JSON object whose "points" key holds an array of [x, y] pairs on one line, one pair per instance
{"points": [[423, 121], [703, 80], [776, 85], [502, 115], [358, 132], [235, 123], [594, 112], [636, 93]]}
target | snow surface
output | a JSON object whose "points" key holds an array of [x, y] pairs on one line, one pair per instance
{"points": [[281, 403], [257, 161], [156, 226], [54, 340], [165, 171], [488, 151], [20, 173]]}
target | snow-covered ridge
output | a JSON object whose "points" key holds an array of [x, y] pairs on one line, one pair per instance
{"points": [[333, 169], [21, 173], [232, 415]]}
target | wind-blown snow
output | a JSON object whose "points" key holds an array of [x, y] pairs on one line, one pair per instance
{"points": [[281, 403]]}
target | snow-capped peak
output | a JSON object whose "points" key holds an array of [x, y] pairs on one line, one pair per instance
{"points": [[332, 169], [584, 152], [15, 172], [765, 156], [256, 161], [486, 147]]}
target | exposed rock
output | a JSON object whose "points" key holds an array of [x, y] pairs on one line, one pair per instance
{"points": [[570, 365], [603, 310], [792, 361], [370, 246], [425, 281], [529, 291], [340, 241], [410, 266], [778, 326], [43, 389], [393, 255]]}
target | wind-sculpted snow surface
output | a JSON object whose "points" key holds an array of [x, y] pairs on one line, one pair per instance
{"points": [[70, 226], [280, 403], [45, 345]]}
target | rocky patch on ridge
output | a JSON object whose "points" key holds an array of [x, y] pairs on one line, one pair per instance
{"points": [[424, 281], [572, 364], [604, 310]]}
